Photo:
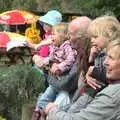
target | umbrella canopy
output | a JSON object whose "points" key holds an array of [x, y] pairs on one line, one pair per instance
{"points": [[9, 40], [4, 39], [17, 17]]}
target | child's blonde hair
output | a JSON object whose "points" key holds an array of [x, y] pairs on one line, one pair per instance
{"points": [[61, 29], [105, 26]]}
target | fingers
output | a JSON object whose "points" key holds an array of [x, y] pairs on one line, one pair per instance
{"points": [[90, 80], [89, 72], [93, 83], [49, 107], [93, 52], [54, 68]]}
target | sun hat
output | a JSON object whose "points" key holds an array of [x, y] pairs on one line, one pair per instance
{"points": [[52, 17]]}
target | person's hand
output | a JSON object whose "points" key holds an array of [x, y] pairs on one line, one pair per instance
{"points": [[49, 107], [90, 80], [38, 60], [29, 44], [93, 52], [55, 69]]}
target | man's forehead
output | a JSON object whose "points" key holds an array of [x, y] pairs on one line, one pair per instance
{"points": [[73, 28]]}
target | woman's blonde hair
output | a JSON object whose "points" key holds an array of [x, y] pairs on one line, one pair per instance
{"points": [[116, 44], [61, 29], [105, 26]]}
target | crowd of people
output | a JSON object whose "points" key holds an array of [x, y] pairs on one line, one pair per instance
{"points": [[81, 64]]}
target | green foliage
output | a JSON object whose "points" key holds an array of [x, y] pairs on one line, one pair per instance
{"points": [[91, 8], [100, 7], [19, 84], [5, 5], [17, 4], [24, 4], [1, 118]]}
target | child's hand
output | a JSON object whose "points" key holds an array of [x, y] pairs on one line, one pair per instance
{"points": [[90, 80], [55, 69], [49, 107], [38, 60], [93, 52]]}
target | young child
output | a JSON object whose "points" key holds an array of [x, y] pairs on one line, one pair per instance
{"points": [[50, 19], [61, 58], [100, 37]]}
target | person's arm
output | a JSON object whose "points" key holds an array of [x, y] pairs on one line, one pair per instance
{"points": [[68, 62], [103, 107], [31, 45], [40, 61], [43, 42]]}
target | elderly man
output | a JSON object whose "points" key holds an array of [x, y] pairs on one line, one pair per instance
{"points": [[106, 104], [78, 27]]}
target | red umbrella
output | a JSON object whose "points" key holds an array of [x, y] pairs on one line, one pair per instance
{"points": [[9, 37], [17, 17], [4, 39]]}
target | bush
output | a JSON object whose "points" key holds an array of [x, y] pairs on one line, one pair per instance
{"points": [[19, 84]]}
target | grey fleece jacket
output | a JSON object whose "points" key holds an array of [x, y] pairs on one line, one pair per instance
{"points": [[105, 106]]}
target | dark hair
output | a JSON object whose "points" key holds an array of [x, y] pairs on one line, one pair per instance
{"points": [[83, 50]]}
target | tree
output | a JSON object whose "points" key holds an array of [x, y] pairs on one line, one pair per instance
{"points": [[5, 5], [24, 4], [91, 8]]}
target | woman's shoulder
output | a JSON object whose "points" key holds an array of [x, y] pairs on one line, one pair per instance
{"points": [[112, 90]]}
